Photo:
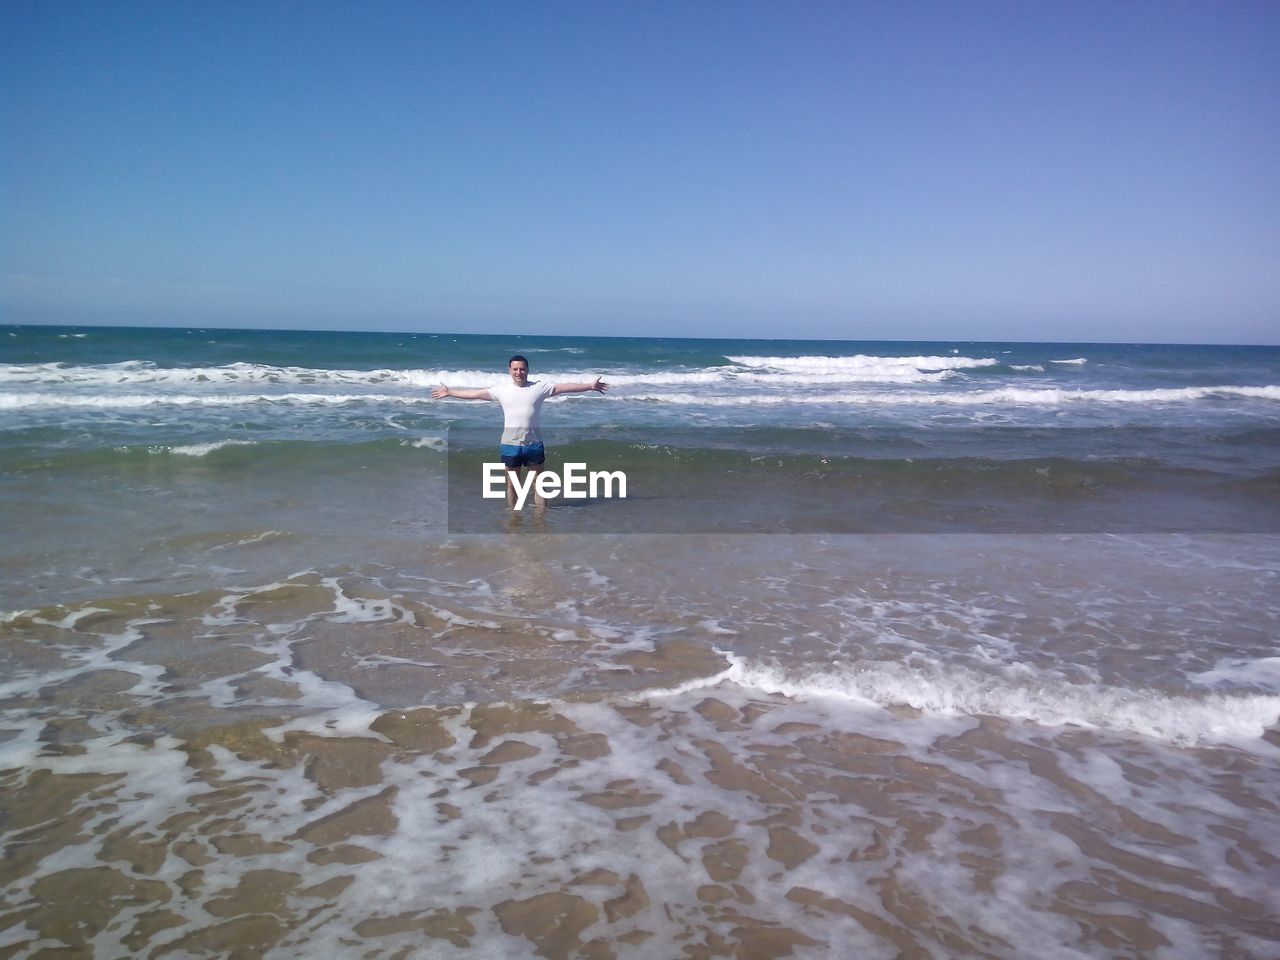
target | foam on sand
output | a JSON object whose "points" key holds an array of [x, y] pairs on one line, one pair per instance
{"points": [[726, 818], [1016, 692]]}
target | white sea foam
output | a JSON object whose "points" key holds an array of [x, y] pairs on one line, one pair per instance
{"points": [[735, 375], [1074, 360], [81, 659], [1263, 672], [442, 851], [1038, 397], [17, 401], [204, 449], [1019, 693], [248, 541], [591, 797], [1042, 397], [145, 372], [426, 443], [635, 815], [134, 373], [68, 622], [860, 363]]}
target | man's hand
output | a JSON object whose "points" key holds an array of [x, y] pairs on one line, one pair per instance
{"points": [[599, 386], [440, 392]]}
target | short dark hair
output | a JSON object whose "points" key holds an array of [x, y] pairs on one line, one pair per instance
{"points": [[515, 358]]}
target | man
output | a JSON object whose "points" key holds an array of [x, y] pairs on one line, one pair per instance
{"points": [[521, 401]]}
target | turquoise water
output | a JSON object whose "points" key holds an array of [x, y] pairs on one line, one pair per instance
{"points": [[938, 647]]}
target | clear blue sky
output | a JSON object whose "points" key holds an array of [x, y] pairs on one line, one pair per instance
{"points": [[976, 170]]}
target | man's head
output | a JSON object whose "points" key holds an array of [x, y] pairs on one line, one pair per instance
{"points": [[518, 367]]}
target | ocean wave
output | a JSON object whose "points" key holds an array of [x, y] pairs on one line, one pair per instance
{"points": [[134, 372], [1029, 396], [1263, 672], [426, 443], [1022, 694], [860, 363], [1013, 396], [278, 453], [203, 449], [729, 376], [19, 401]]}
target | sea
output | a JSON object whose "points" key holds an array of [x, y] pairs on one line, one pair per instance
{"points": [[892, 650]]}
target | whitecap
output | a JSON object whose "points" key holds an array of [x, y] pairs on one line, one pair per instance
{"points": [[1018, 692]]}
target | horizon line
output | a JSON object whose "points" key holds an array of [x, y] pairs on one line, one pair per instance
{"points": [[597, 336]]}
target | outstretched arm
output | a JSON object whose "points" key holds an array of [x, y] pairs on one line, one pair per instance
{"points": [[598, 385], [440, 392]]}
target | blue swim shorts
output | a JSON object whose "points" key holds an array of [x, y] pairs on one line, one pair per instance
{"points": [[516, 455]]}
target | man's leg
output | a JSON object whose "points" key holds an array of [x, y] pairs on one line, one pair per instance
{"points": [[538, 499], [531, 479], [512, 476], [537, 459]]}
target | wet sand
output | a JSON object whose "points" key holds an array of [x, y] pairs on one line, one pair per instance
{"points": [[254, 772]]}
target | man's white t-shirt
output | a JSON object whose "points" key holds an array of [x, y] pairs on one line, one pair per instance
{"points": [[520, 406]]}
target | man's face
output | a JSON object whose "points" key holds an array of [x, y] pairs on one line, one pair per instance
{"points": [[519, 372]]}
